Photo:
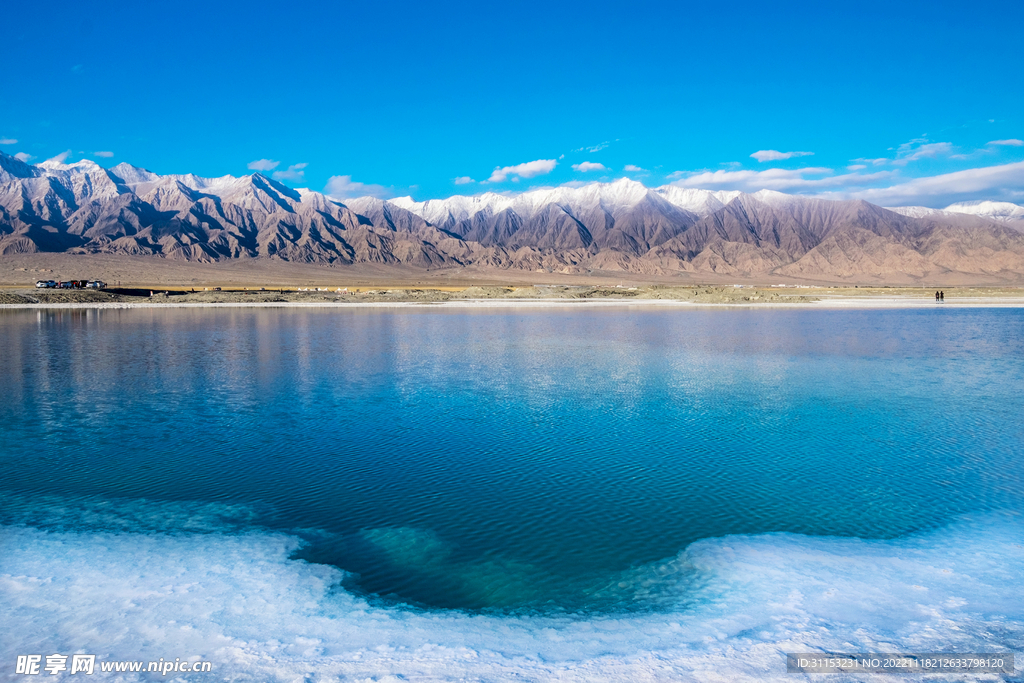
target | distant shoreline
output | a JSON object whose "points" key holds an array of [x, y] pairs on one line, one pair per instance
{"points": [[151, 272], [844, 302]]}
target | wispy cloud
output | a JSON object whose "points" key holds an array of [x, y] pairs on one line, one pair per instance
{"points": [[12, 141], [22, 156], [863, 179], [105, 155], [342, 187], [1005, 181], [60, 157], [873, 162], [907, 154], [529, 169], [1012, 142], [807, 180], [586, 166], [464, 180], [763, 155], [594, 148], [632, 168], [921, 148], [293, 174], [263, 165]]}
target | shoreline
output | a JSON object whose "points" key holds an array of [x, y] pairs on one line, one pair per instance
{"points": [[160, 273], [842, 302]]}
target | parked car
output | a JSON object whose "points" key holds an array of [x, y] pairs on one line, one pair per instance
{"points": [[95, 284], [46, 284]]}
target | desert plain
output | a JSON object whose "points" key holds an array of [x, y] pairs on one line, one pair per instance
{"points": [[148, 281]]}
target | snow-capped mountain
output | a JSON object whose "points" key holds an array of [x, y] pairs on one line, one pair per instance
{"points": [[618, 226], [1002, 212], [84, 208], [616, 196]]}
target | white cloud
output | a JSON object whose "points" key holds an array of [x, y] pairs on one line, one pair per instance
{"points": [[632, 168], [22, 156], [294, 174], [594, 148], [342, 187], [60, 157], [775, 155], [12, 141], [808, 179], [873, 162], [1012, 142], [921, 149], [263, 165], [586, 166], [464, 180], [527, 170], [1005, 182], [883, 187], [105, 155]]}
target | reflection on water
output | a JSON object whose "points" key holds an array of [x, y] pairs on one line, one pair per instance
{"points": [[519, 458]]}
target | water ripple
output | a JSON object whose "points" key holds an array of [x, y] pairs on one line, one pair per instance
{"points": [[495, 460]]}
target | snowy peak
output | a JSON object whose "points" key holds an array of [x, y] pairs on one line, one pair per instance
{"points": [[915, 211], [132, 175], [773, 197], [1004, 212], [700, 202], [83, 166], [1000, 212], [612, 197], [456, 208], [620, 193], [316, 200], [11, 167]]}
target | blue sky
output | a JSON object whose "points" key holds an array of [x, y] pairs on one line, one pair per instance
{"points": [[896, 102]]}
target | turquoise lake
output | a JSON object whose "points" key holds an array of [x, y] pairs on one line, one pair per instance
{"points": [[562, 467]]}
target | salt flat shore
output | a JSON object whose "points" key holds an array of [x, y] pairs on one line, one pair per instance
{"points": [[534, 296]]}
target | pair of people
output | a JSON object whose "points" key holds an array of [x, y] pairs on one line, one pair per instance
{"points": [[940, 296]]}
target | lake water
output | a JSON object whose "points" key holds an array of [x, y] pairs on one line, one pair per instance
{"points": [[620, 493]]}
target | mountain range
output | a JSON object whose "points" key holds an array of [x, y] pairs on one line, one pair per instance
{"points": [[621, 226]]}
